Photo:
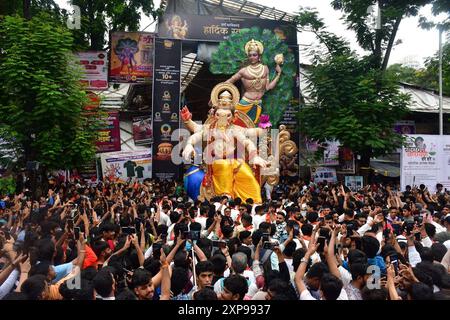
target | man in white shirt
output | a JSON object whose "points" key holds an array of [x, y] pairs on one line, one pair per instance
{"points": [[259, 216], [222, 204], [164, 215], [238, 266], [330, 287], [203, 216]]}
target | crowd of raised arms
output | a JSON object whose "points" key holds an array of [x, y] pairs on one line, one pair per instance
{"points": [[149, 241]]}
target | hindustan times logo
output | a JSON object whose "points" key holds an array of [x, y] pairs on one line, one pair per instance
{"points": [[74, 20], [74, 283], [373, 282]]}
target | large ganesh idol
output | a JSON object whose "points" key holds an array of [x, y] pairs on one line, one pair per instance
{"points": [[229, 152]]}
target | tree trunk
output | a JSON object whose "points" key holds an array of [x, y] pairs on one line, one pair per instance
{"points": [[26, 9]]}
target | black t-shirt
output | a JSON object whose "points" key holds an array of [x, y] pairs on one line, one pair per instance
{"points": [[129, 165], [139, 171]]}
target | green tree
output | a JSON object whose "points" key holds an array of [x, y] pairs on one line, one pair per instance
{"points": [[98, 17], [379, 42], [404, 73], [430, 76], [427, 77], [355, 101], [42, 99], [28, 8]]}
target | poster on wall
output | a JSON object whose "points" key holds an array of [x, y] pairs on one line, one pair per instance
{"points": [[321, 174], [405, 127], [331, 154], [94, 66], [123, 166], [425, 159], [88, 172], [166, 100], [108, 138], [142, 130], [346, 161], [131, 57], [354, 183], [93, 102]]}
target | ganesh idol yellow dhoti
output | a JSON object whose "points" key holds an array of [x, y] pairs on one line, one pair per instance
{"points": [[227, 172]]}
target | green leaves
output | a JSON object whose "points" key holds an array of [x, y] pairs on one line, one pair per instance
{"points": [[427, 77], [101, 16], [42, 100], [354, 104]]}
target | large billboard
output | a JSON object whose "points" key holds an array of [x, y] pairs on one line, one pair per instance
{"points": [[218, 28], [166, 106], [131, 57], [425, 159]]}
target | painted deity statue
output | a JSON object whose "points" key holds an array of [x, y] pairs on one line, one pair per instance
{"points": [[255, 80], [227, 172]]}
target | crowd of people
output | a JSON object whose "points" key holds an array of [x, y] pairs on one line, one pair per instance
{"points": [[148, 241]]}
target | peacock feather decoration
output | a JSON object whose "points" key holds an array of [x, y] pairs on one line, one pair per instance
{"points": [[231, 57]]}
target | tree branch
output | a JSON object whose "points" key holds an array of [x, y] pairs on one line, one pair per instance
{"points": [[391, 43]]}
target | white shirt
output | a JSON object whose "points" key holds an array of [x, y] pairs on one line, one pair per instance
{"points": [[439, 228], [257, 219], [247, 274], [346, 276], [164, 219], [268, 188], [202, 221], [217, 205], [290, 267], [234, 214], [107, 298], [148, 252]]}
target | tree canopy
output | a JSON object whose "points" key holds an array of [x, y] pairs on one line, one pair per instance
{"points": [[98, 17], [353, 99], [42, 98]]}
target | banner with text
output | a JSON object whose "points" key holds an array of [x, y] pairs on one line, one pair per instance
{"points": [[321, 174], [166, 106], [425, 159], [122, 166], [108, 138], [219, 28], [94, 65], [346, 161], [354, 183]]}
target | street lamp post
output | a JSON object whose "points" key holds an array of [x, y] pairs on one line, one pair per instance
{"points": [[441, 115]]}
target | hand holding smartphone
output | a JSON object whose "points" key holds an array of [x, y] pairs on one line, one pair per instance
{"points": [[321, 241], [76, 232]]}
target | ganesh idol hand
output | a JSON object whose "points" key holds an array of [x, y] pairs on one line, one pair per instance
{"points": [[188, 151], [185, 114], [258, 161]]}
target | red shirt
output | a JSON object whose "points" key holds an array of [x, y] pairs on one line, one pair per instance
{"points": [[90, 259]]}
